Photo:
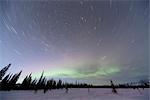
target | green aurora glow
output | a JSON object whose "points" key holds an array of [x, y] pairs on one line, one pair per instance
{"points": [[74, 73]]}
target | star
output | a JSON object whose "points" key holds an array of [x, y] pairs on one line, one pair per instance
{"points": [[95, 27], [13, 30], [100, 19], [110, 3], [104, 57], [81, 3], [132, 41], [17, 52], [92, 8], [83, 19], [99, 42]]}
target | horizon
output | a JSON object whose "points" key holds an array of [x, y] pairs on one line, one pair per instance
{"points": [[4, 76]]}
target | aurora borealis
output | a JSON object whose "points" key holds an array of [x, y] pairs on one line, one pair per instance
{"points": [[90, 40]]}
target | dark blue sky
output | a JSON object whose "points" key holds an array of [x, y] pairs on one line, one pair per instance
{"points": [[92, 41]]}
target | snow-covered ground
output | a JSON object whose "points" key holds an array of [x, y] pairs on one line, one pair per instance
{"points": [[77, 94]]}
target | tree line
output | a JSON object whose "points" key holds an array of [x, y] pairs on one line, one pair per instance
{"points": [[9, 82]]}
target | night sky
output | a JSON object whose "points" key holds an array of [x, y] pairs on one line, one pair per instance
{"points": [[90, 41]]}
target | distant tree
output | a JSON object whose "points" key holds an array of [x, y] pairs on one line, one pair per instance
{"points": [[59, 84], [5, 82], [51, 84], [3, 71], [14, 79], [33, 84], [41, 83], [113, 87], [26, 83]]}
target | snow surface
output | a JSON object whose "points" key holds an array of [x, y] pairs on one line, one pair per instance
{"points": [[77, 94]]}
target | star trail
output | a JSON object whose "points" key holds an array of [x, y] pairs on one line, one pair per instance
{"points": [[90, 40]]}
